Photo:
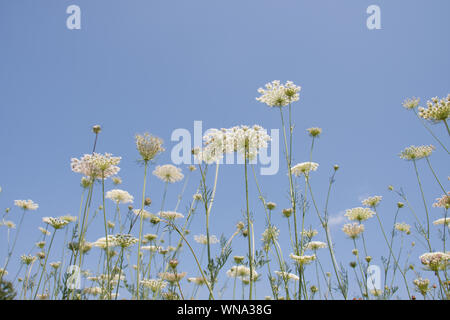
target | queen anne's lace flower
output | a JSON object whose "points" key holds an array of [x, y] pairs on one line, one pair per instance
{"points": [[276, 94], [56, 223], [303, 259], [27, 259], [442, 221], [416, 153], [26, 204], [372, 201], [119, 196], [270, 235], [304, 168], [315, 245], [154, 284], [435, 261], [202, 239], [443, 202], [96, 165], [124, 240], [171, 276], [403, 227], [241, 271], [359, 214], [168, 173], [437, 109], [411, 103], [170, 215], [148, 146], [314, 132], [353, 230]]}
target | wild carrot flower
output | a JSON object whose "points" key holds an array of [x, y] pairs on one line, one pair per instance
{"points": [[315, 245], [403, 227], [197, 280], [56, 223], [422, 285], [124, 240], [202, 239], [443, 202], [96, 165], [170, 215], [304, 168], [27, 259], [44, 231], [55, 265], [314, 132], [437, 109], [154, 284], [276, 94], [435, 261], [303, 259], [442, 221], [148, 146], [411, 103], [119, 196], [359, 214], [416, 153], [353, 230], [116, 180], [26, 204], [168, 173], [372, 202], [172, 277], [240, 271], [8, 224]]}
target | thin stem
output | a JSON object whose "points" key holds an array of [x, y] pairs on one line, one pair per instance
{"points": [[141, 222]]}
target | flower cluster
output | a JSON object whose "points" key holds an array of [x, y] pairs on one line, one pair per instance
{"points": [[148, 146], [245, 140], [359, 214], [416, 153], [276, 94], [437, 109], [303, 259], [168, 173], [96, 165], [435, 261], [203, 239], [353, 230], [304, 168], [26, 204], [119, 196]]}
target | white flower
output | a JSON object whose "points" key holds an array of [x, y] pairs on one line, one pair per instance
{"points": [[170, 215], [154, 284], [372, 201], [56, 223], [315, 245], [241, 271], [143, 212], [435, 261], [202, 239], [359, 214], [96, 165], [441, 221], [416, 153], [403, 227], [276, 94], [168, 173], [119, 196], [304, 168], [304, 259], [26, 204], [353, 230], [148, 146], [438, 110]]}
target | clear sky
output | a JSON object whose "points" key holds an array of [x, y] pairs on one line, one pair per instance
{"points": [[156, 66]]}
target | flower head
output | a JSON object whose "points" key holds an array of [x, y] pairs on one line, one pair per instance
{"points": [[443, 202], [96, 165], [148, 146], [26, 204], [359, 214], [154, 284], [437, 109], [353, 230], [287, 276], [403, 227], [56, 223], [304, 168], [202, 239], [276, 94], [119, 196], [372, 201], [303, 259], [314, 132], [435, 261], [416, 153], [315, 245], [411, 103], [168, 173], [170, 215]]}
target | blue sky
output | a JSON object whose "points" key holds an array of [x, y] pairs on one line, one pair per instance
{"points": [[156, 66]]}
